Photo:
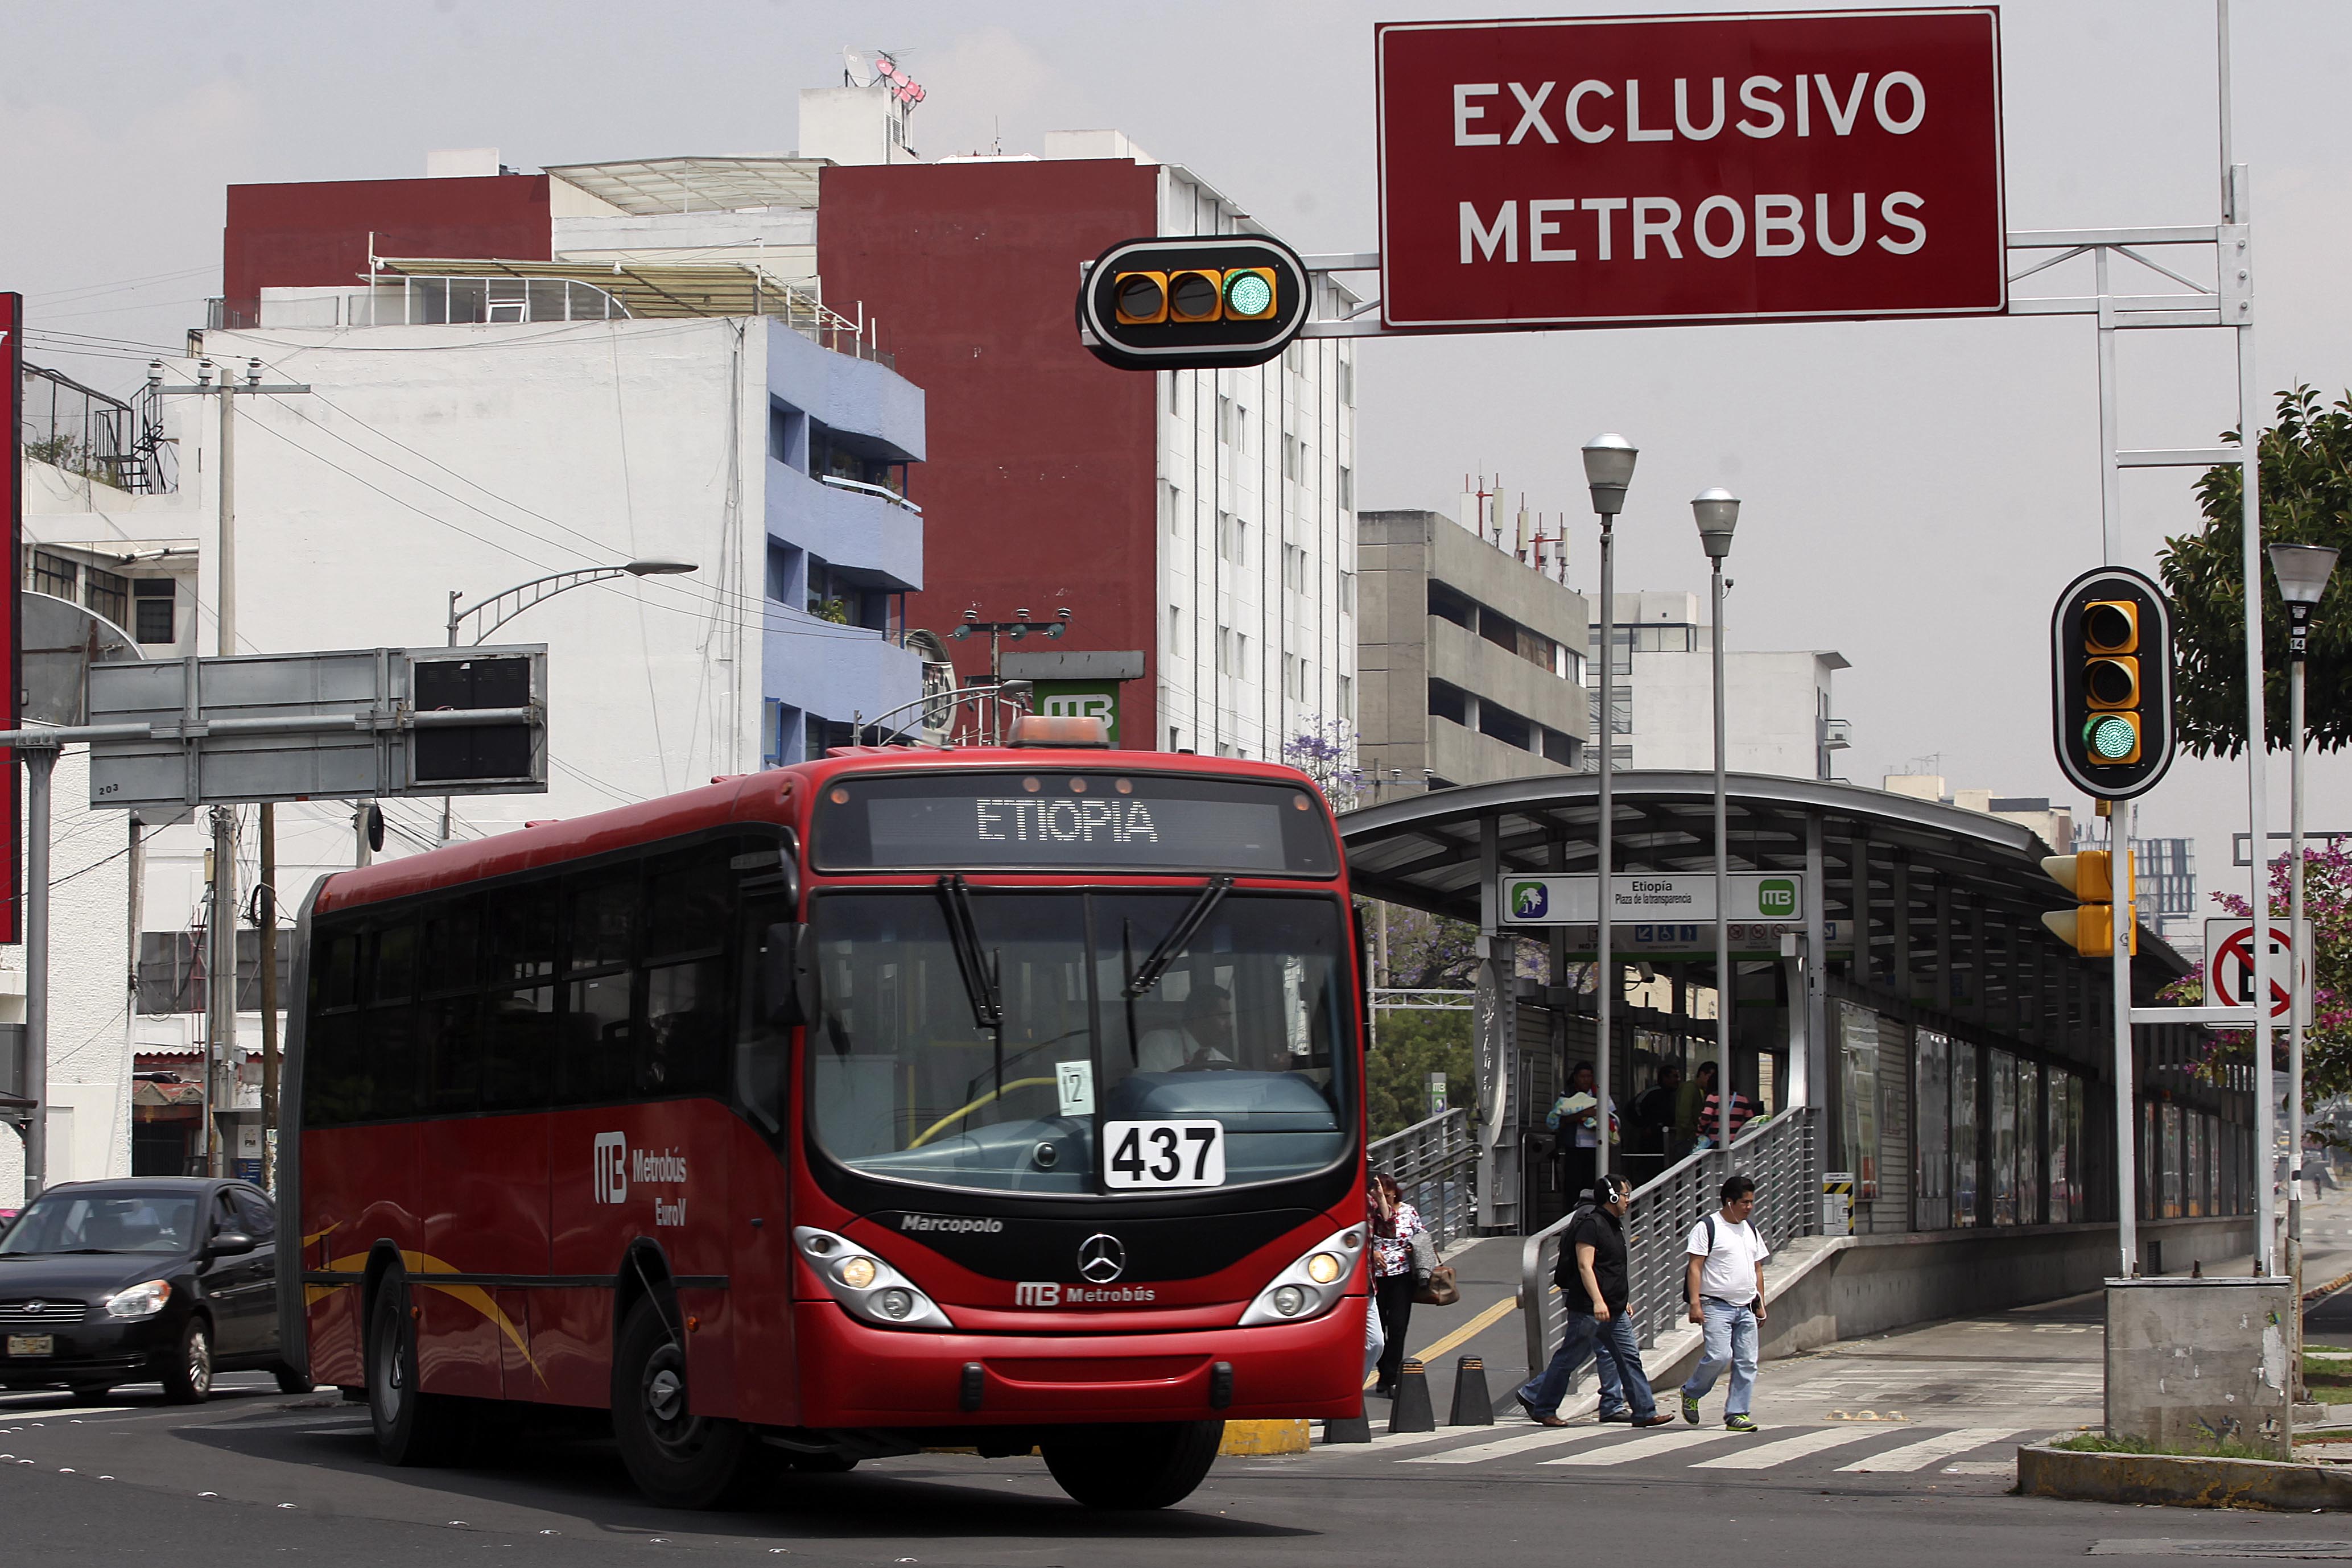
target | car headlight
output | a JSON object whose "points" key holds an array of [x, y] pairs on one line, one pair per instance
{"points": [[142, 1300], [870, 1289], [1311, 1286]]}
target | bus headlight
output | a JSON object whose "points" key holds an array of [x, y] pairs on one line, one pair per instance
{"points": [[1311, 1286], [869, 1289]]}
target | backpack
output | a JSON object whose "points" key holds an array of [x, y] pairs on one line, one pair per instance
{"points": [[1563, 1273], [1709, 1223]]}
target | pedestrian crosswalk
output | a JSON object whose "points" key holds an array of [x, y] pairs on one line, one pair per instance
{"points": [[1842, 1448]]}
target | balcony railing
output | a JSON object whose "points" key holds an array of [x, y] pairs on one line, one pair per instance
{"points": [[862, 488], [1776, 1155]]}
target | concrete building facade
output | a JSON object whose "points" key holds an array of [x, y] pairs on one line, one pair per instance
{"points": [[1471, 661], [1779, 713]]}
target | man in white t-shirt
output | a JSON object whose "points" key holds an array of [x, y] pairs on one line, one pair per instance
{"points": [[1724, 1284]]}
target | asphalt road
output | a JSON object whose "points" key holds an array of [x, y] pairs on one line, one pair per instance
{"points": [[258, 1475]]}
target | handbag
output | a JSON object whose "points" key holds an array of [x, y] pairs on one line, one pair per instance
{"points": [[1438, 1289]]}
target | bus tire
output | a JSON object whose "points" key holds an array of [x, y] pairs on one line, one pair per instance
{"points": [[412, 1428], [1141, 1466], [678, 1458]]}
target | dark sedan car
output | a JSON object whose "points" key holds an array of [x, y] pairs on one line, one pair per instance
{"points": [[107, 1282]]}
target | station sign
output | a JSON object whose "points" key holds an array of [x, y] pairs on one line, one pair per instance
{"points": [[1619, 170], [1670, 898]]}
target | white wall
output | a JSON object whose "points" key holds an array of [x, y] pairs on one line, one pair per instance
{"points": [[1770, 702]]}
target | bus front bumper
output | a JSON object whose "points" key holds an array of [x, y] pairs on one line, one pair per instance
{"points": [[855, 1375]]}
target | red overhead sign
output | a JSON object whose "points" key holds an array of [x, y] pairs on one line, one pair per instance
{"points": [[1590, 172]]}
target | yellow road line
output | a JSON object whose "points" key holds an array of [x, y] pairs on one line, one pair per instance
{"points": [[1475, 1326]]}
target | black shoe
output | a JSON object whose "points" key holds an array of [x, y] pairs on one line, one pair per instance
{"points": [[1384, 1391], [1617, 1419]]}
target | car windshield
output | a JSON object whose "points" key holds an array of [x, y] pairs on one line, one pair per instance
{"points": [[103, 1221], [1239, 1004]]}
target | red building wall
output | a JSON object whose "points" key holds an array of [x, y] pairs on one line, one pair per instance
{"points": [[315, 235], [1039, 489]]}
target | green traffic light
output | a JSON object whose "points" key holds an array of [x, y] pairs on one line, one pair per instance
{"points": [[1248, 294], [2110, 738]]}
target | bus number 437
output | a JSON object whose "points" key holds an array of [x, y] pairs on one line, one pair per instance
{"points": [[1165, 1153]]}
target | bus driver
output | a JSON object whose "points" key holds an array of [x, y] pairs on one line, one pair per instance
{"points": [[1204, 1039]]}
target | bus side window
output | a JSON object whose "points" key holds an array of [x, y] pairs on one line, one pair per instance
{"points": [[389, 1035], [763, 1024], [448, 969], [519, 1019], [334, 1075], [596, 1055]]}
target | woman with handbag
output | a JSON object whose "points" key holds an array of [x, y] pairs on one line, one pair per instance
{"points": [[1395, 1223]]}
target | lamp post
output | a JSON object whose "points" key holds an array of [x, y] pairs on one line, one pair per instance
{"points": [[499, 608], [2302, 571], [1607, 470], [1716, 512]]}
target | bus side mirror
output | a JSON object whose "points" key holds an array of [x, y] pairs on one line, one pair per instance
{"points": [[787, 983]]}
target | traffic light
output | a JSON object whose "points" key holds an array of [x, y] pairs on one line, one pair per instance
{"points": [[2111, 683], [1216, 299], [2089, 927]]}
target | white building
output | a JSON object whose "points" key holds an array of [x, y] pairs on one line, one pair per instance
{"points": [[1777, 706]]}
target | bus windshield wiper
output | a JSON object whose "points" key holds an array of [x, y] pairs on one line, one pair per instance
{"points": [[979, 984], [1146, 974]]}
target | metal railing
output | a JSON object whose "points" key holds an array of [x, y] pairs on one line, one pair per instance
{"points": [[979, 714], [881, 493], [1435, 1164], [1776, 1155]]}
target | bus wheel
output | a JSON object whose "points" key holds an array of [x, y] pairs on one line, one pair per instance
{"points": [[412, 1428], [678, 1458], [1133, 1466]]}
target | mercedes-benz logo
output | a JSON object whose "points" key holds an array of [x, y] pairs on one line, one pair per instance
{"points": [[1101, 1259]]}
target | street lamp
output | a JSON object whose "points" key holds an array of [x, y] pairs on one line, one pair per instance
{"points": [[1717, 510], [523, 595], [2302, 571], [1607, 470], [500, 608]]}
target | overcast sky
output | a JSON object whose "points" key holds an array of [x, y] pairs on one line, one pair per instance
{"points": [[1917, 493]]}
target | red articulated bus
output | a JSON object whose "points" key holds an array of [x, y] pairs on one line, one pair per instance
{"points": [[1001, 1097]]}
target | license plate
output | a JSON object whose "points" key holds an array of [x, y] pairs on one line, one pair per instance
{"points": [[1164, 1154], [31, 1345]]}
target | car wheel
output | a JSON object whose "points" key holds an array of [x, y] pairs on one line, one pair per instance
{"points": [[678, 1459], [188, 1374], [412, 1428], [292, 1382], [1133, 1466]]}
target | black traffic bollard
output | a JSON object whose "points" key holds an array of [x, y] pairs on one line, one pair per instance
{"points": [[1411, 1411], [1471, 1405], [1356, 1428]]}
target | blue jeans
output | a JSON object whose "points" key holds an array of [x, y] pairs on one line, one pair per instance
{"points": [[1730, 1341], [1615, 1349]]}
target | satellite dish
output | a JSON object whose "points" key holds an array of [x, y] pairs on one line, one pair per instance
{"points": [[857, 67]]}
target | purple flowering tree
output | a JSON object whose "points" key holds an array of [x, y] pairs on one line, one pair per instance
{"points": [[1325, 751], [2327, 1044]]}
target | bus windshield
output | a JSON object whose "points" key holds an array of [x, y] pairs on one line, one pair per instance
{"points": [[995, 1056]]}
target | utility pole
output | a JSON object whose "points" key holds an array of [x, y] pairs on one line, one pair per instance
{"points": [[220, 986]]}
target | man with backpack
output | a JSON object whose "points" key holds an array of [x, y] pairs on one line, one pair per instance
{"points": [[1724, 1282], [1592, 1286]]}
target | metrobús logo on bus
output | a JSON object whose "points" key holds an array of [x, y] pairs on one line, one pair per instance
{"points": [[1052, 1293], [616, 1167]]}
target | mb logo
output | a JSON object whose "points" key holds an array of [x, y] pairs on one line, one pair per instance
{"points": [[611, 1167], [1776, 896], [1037, 1293], [1530, 900]]}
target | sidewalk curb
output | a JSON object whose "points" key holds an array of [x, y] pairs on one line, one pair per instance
{"points": [[2181, 1481]]}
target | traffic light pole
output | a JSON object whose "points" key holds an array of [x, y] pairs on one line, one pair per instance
{"points": [[2122, 927]]}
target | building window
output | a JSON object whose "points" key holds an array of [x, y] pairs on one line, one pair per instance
{"points": [[1347, 485], [1176, 631], [1502, 724], [155, 597], [1174, 500], [787, 428], [1233, 539], [1347, 593], [1347, 400], [107, 593], [1293, 458], [1559, 748], [1294, 568], [1347, 698], [1233, 651], [1228, 425], [54, 575], [1448, 606], [1621, 640], [1448, 701], [1621, 707], [784, 566], [1290, 674]]}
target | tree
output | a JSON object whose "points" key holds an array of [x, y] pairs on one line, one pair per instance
{"points": [[2306, 498], [2327, 1043], [1415, 1043], [1326, 751]]}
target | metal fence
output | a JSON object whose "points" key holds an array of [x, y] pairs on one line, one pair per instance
{"points": [[1435, 1164], [1777, 1156]]}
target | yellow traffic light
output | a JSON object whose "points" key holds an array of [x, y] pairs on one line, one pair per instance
{"points": [[1195, 294], [1139, 298], [2089, 927], [2111, 625]]}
